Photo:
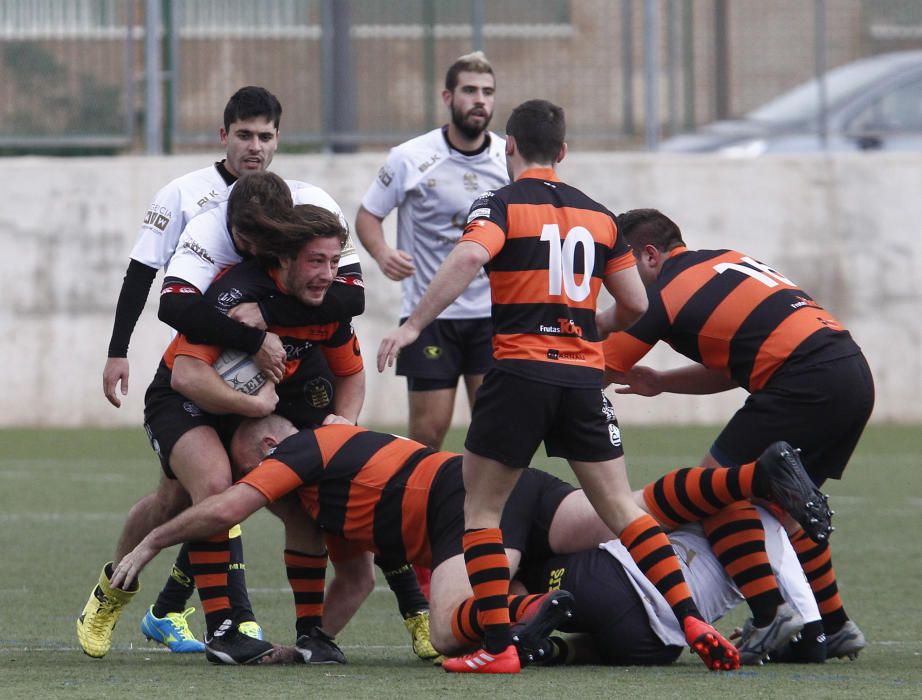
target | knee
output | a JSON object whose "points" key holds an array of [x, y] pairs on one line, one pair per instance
{"points": [[441, 636]]}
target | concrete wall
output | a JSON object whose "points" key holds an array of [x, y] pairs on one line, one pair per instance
{"points": [[846, 228]]}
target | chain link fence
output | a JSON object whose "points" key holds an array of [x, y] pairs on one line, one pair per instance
{"points": [[152, 75]]}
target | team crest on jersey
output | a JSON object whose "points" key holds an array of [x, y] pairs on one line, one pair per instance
{"points": [[470, 182], [318, 392], [230, 298], [385, 177]]}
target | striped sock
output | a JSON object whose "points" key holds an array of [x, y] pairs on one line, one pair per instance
{"points": [[737, 536], [307, 578], [691, 494], [209, 560], [816, 560], [650, 549], [488, 571], [467, 625]]}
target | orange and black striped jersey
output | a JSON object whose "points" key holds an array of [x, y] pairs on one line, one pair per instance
{"points": [[731, 313], [313, 352], [550, 247], [372, 489]]}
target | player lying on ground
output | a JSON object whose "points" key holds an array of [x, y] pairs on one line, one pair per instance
{"points": [[401, 497]]}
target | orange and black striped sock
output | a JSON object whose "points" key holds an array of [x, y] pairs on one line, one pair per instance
{"points": [[307, 578], [467, 625], [691, 494], [816, 560], [737, 537], [488, 571], [650, 549], [209, 560]]}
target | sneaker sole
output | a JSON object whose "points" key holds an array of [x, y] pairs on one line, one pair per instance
{"points": [[219, 657], [792, 489], [527, 636]]}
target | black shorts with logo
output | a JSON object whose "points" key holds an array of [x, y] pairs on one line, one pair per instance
{"points": [[445, 351], [168, 415], [513, 414], [820, 409], [526, 518], [607, 607]]}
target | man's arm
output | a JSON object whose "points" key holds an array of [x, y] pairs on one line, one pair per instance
{"points": [[349, 395], [630, 301], [395, 264], [691, 379], [215, 514], [456, 273], [184, 308], [131, 299], [197, 380]]}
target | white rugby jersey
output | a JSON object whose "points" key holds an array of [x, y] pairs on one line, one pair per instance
{"points": [[713, 591], [432, 186], [171, 210], [205, 247]]}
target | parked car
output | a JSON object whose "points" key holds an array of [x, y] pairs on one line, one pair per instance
{"points": [[873, 104]]}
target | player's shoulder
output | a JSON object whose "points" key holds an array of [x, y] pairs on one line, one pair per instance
{"points": [[421, 151], [203, 178], [497, 148]]}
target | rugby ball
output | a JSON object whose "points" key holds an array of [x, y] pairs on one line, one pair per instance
{"points": [[239, 371]]}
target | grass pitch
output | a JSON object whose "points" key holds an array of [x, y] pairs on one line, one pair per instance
{"points": [[64, 494]]}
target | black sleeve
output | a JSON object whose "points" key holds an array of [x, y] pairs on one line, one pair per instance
{"points": [[131, 299], [345, 298], [184, 308]]}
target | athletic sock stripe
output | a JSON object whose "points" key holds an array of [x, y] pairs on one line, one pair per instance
{"points": [[687, 486], [487, 562], [654, 496]]}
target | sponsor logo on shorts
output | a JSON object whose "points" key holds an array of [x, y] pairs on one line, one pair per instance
{"points": [[614, 435], [432, 352], [154, 443], [198, 250], [555, 578], [191, 408], [554, 354], [385, 177]]}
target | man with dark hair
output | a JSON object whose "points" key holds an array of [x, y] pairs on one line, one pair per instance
{"points": [[744, 324], [303, 245], [548, 249], [250, 136], [431, 180]]}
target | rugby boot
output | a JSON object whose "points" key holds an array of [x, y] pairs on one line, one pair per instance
{"points": [[530, 632], [791, 488], [101, 612], [172, 630], [847, 642], [317, 647], [717, 653], [482, 661], [417, 625], [228, 645], [758, 643]]}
